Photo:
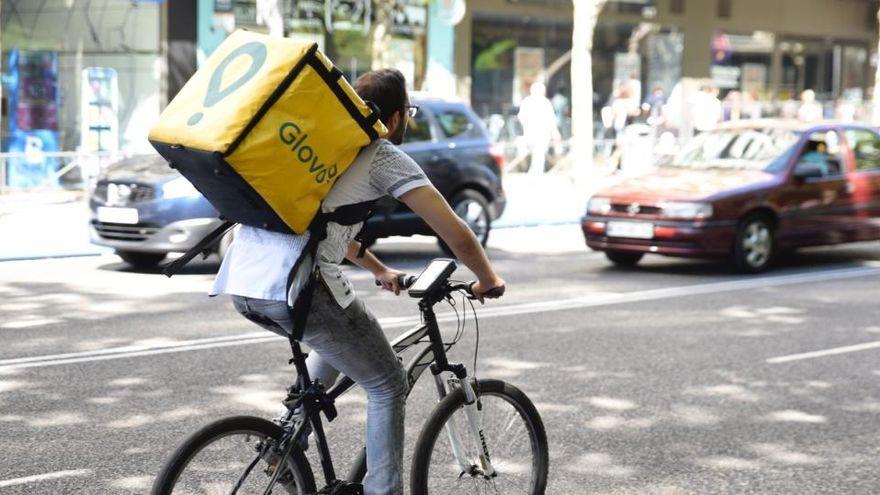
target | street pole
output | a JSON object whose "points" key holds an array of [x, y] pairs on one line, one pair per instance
{"points": [[2, 162], [586, 14], [875, 99]]}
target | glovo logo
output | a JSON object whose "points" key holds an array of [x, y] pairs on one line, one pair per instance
{"points": [[256, 51], [292, 135]]}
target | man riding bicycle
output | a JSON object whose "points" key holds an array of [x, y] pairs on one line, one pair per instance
{"points": [[342, 332]]}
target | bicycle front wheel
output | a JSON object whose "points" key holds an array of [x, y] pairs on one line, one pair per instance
{"points": [[514, 434], [234, 455]]}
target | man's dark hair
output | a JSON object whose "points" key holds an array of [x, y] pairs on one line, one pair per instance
{"points": [[386, 88]]}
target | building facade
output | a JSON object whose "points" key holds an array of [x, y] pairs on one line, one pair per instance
{"points": [[94, 76], [771, 49]]}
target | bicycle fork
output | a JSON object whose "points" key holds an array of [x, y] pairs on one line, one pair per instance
{"points": [[473, 413]]}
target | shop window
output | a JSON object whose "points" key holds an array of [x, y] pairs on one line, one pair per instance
{"points": [[456, 124], [676, 7], [866, 148], [418, 130], [741, 62]]}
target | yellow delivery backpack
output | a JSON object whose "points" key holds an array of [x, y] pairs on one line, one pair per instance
{"points": [[263, 130]]}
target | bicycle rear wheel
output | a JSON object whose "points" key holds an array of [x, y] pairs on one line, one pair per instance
{"points": [[514, 434], [240, 450]]}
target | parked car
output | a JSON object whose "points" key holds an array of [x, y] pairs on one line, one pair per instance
{"points": [[749, 190], [144, 209]]}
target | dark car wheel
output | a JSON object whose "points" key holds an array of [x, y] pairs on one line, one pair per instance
{"points": [[141, 260], [755, 244], [623, 258], [473, 208]]}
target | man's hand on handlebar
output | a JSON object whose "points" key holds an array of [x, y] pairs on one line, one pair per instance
{"points": [[396, 281], [491, 290], [390, 280]]}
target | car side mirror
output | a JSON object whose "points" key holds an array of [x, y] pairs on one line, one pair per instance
{"points": [[805, 170]]}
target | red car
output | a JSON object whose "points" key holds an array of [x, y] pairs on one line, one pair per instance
{"points": [[749, 191]]}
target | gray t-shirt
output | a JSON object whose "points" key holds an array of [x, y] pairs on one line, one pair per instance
{"points": [[259, 262]]}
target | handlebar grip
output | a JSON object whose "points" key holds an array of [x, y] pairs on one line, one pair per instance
{"points": [[494, 292], [403, 280], [491, 294]]}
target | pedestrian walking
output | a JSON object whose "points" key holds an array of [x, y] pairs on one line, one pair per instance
{"points": [[539, 124]]}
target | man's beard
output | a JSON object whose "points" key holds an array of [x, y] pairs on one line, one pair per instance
{"points": [[397, 137]]}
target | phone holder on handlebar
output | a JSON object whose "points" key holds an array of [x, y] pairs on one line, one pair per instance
{"points": [[433, 282]]}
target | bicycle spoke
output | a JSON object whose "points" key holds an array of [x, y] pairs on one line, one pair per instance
{"points": [[234, 464], [510, 449]]}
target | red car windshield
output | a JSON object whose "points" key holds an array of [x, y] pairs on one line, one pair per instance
{"points": [[753, 148]]}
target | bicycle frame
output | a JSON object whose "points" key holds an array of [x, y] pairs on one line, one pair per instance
{"points": [[314, 400]]}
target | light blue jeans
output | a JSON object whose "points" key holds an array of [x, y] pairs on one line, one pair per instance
{"points": [[350, 340]]}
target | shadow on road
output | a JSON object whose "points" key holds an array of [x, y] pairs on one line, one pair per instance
{"points": [[196, 267], [813, 258]]}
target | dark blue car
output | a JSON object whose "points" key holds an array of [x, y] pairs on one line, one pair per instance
{"points": [[144, 209]]}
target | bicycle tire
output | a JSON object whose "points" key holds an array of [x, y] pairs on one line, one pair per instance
{"points": [[176, 466], [453, 402]]}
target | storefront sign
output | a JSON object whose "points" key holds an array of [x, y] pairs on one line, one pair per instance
{"points": [[100, 110], [33, 117], [343, 15], [410, 16], [223, 6], [726, 77]]}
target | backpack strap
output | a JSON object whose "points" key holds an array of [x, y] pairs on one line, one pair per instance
{"points": [[344, 215], [202, 246], [299, 312]]}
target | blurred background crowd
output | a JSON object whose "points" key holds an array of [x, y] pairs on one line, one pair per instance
{"points": [[84, 81]]}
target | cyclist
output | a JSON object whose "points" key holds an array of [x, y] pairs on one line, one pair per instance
{"points": [[342, 333]]}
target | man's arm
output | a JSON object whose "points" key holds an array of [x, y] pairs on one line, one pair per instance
{"points": [[384, 275], [429, 204]]}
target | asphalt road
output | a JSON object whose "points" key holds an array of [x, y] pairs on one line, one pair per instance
{"points": [[677, 377]]}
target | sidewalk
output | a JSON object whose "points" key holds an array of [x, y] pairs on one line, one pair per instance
{"points": [[549, 199], [45, 224], [50, 224]]}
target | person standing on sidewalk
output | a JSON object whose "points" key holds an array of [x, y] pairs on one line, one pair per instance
{"points": [[341, 331], [538, 120]]}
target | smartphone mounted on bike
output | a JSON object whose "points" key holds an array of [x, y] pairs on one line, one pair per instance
{"points": [[432, 277]]}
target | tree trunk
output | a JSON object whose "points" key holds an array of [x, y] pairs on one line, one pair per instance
{"points": [[586, 13], [380, 33], [875, 100]]}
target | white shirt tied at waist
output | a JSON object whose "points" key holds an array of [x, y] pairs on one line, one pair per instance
{"points": [[258, 263]]}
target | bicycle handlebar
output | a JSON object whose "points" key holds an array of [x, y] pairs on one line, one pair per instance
{"points": [[405, 282]]}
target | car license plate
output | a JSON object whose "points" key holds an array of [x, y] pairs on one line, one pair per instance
{"points": [[117, 215], [633, 230]]}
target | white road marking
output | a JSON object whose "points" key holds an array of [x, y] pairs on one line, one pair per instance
{"points": [[45, 477], [589, 301], [826, 352]]}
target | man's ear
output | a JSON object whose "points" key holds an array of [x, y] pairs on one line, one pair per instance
{"points": [[393, 123]]}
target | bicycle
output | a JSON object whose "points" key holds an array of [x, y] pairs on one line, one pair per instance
{"points": [[469, 457]]}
